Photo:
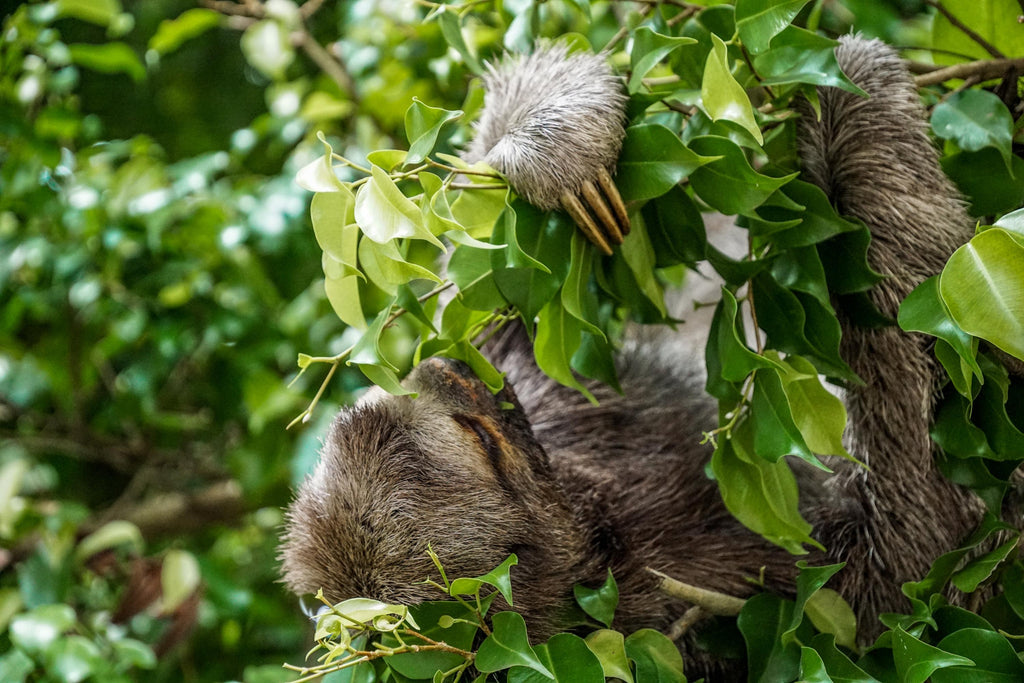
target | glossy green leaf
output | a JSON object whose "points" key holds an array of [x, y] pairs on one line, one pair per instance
{"points": [[802, 56], [730, 184], [982, 286], [429, 615], [758, 21], [839, 667], [599, 603], [385, 267], [923, 311], [762, 621], [995, 658], [508, 646], [558, 337], [775, 433], [975, 119], [916, 661], [676, 229], [656, 658], [649, 48], [984, 178], [994, 20], [577, 297], [721, 96], [817, 413], [498, 577], [568, 659], [423, 124], [981, 568], [653, 161], [638, 253]]}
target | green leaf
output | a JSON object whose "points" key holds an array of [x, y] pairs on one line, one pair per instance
{"points": [[775, 433], [993, 20], [99, 12], [384, 266], [916, 661], [676, 229], [982, 285], [567, 657], [653, 161], [995, 658], [721, 96], [470, 269], [924, 311], [975, 119], [498, 578], [179, 578], [333, 218], [984, 177], [384, 213], [737, 359], [758, 21], [318, 175], [812, 668], [638, 253], [817, 413], [111, 535], [267, 46], [840, 668], [422, 126], [37, 630], [74, 658], [15, 666], [802, 56], [831, 614], [508, 646], [761, 495], [384, 377], [610, 649], [458, 633], [649, 48], [657, 658], [192, 23], [599, 603], [558, 337], [578, 298], [762, 621], [729, 184], [109, 58], [981, 568], [451, 29]]}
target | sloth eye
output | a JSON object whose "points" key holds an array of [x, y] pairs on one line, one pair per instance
{"points": [[486, 439]]}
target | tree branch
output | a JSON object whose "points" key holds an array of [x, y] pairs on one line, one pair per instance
{"points": [[709, 601], [984, 69]]}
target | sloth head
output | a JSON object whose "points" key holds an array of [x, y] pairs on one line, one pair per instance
{"points": [[456, 469]]}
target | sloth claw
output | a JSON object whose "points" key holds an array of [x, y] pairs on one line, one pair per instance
{"points": [[601, 215]]}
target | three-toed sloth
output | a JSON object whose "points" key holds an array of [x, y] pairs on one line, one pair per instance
{"points": [[574, 488]]}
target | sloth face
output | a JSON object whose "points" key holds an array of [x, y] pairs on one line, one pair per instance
{"points": [[456, 469]]}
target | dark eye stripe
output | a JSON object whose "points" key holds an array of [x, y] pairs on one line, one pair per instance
{"points": [[485, 438]]}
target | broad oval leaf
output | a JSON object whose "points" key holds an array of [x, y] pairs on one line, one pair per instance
{"points": [[423, 123], [653, 161], [975, 119], [982, 285], [508, 646], [648, 49], [384, 213], [721, 96], [758, 21]]}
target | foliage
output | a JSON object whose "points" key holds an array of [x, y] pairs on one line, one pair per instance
{"points": [[157, 281], [441, 641]]}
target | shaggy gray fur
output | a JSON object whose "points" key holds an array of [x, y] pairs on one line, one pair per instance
{"points": [[551, 121], [574, 488]]}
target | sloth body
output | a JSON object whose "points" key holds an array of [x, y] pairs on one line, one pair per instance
{"points": [[574, 488]]}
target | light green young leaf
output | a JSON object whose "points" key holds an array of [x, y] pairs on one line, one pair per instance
{"points": [[758, 21], [499, 578], [423, 123], [982, 285], [648, 49], [775, 433], [610, 648], [111, 535], [318, 175], [385, 378], [267, 46], [476, 210], [818, 414], [172, 33], [923, 311], [831, 614], [721, 96], [639, 255], [99, 12], [387, 159], [558, 337], [331, 213], [384, 213], [179, 578]]}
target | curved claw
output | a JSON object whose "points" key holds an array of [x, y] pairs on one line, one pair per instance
{"points": [[572, 205], [599, 212]]}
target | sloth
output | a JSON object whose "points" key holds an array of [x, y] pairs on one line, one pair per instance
{"points": [[573, 488]]}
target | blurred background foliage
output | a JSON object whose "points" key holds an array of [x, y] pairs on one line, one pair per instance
{"points": [[159, 277]]}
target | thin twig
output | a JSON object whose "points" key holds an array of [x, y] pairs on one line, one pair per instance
{"points": [[987, 46], [684, 623]]}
